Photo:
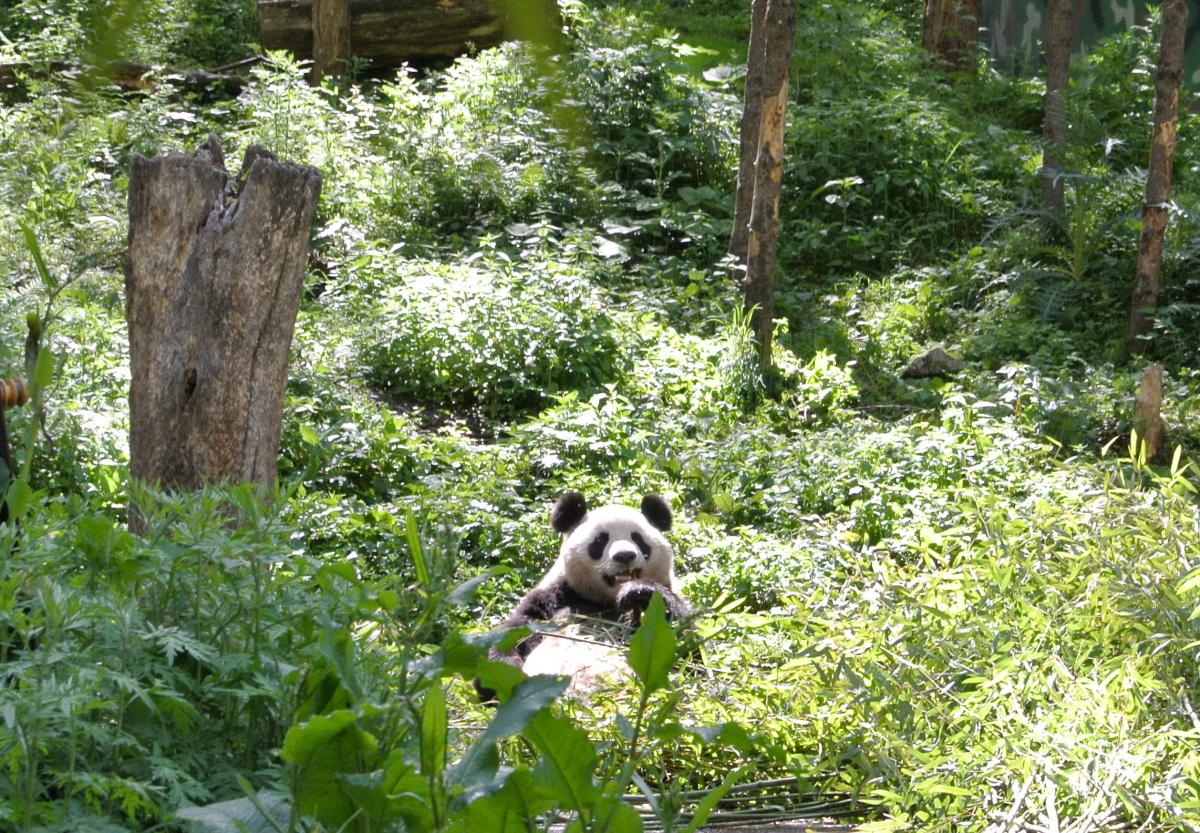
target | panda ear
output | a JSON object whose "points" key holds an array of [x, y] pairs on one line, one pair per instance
{"points": [[657, 512], [568, 511]]}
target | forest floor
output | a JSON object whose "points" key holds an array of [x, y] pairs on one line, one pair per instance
{"points": [[962, 603]]}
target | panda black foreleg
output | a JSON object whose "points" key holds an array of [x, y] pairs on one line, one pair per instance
{"points": [[635, 595], [538, 605]]}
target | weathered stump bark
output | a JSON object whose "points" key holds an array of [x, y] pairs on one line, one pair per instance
{"points": [[1147, 418], [212, 288], [1054, 125], [1147, 285]]}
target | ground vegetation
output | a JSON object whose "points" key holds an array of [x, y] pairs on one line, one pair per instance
{"points": [[961, 601]]}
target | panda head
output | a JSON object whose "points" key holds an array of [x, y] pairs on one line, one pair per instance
{"points": [[609, 546]]}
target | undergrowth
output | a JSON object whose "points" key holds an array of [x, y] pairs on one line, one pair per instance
{"points": [[961, 604]]}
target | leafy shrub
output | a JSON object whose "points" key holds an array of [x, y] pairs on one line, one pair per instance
{"points": [[501, 340], [143, 673]]}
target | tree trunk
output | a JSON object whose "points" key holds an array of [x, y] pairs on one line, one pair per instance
{"points": [[1147, 418], [748, 143], [1054, 127], [212, 287], [950, 30], [1148, 284], [779, 23], [331, 38]]}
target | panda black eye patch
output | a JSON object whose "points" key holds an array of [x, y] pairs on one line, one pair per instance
{"points": [[596, 548], [642, 543]]}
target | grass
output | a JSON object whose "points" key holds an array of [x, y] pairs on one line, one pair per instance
{"points": [[960, 602]]}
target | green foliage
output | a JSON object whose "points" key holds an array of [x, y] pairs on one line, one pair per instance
{"points": [[131, 708], [951, 598], [498, 340]]}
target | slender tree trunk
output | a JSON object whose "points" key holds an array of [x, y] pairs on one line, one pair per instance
{"points": [[950, 30], [1148, 284], [780, 29], [212, 287], [331, 38], [748, 143], [1147, 416], [1054, 127]]}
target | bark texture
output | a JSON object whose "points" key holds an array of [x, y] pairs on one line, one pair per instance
{"points": [[779, 24], [212, 287], [1147, 417], [748, 141], [1147, 285], [390, 32], [950, 30], [1054, 126], [331, 38]]}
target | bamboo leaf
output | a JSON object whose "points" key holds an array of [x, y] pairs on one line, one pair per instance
{"points": [[415, 550], [39, 261]]}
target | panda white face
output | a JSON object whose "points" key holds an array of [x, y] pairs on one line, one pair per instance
{"points": [[612, 545]]}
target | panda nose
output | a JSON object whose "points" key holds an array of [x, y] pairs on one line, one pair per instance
{"points": [[624, 557]]}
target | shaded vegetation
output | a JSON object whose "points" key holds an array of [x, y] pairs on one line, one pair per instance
{"points": [[958, 600]]}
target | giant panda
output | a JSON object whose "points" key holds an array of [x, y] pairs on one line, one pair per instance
{"points": [[612, 561]]}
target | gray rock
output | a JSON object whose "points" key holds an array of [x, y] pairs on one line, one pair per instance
{"points": [[933, 362]]}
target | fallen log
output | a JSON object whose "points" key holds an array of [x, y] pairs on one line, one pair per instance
{"points": [[127, 75], [392, 32]]}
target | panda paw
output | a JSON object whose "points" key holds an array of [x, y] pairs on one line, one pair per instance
{"points": [[634, 596]]}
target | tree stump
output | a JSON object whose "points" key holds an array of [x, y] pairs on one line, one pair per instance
{"points": [[212, 288]]}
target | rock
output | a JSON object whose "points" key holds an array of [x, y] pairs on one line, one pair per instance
{"points": [[933, 362]]}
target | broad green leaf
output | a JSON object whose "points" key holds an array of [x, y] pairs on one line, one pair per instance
{"points": [[943, 789], [396, 790], [652, 649], [724, 734], [305, 741], [458, 655], [337, 646], [612, 815], [19, 497], [324, 749], [529, 698], [477, 769], [500, 677], [267, 813], [511, 809], [434, 727], [566, 762]]}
